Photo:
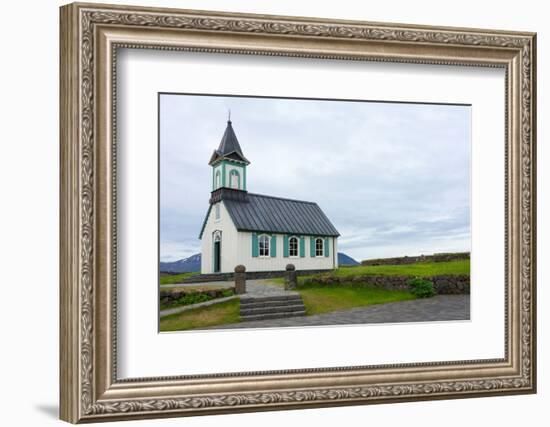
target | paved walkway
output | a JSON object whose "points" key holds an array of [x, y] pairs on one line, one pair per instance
{"points": [[265, 288], [438, 308]]}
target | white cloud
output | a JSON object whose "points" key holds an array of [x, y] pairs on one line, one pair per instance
{"points": [[393, 178]]}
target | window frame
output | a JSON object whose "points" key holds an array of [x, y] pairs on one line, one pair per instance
{"points": [[290, 247], [217, 179], [268, 245], [319, 239]]}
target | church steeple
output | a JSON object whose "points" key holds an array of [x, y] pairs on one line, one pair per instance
{"points": [[228, 162]]}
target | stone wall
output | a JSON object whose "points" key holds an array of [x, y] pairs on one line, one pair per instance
{"points": [[442, 257], [443, 284], [250, 275], [169, 296]]}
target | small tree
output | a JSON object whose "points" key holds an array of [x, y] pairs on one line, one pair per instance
{"points": [[421, 288]]}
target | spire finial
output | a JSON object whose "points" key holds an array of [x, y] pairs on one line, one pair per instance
{"points": [[229, 115]]}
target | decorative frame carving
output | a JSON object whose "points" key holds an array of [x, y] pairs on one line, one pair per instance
{"points": [[90, 36]]}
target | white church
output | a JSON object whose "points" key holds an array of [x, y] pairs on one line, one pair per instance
{"points": [[264, 233]]}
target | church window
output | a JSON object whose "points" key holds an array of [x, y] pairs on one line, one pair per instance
{"points": [[293, 246], [319, 247], [218, 179], [234, 179], [217, 210], [263, 243]]}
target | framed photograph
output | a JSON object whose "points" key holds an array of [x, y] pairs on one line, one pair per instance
{"points": [[267, 212]]}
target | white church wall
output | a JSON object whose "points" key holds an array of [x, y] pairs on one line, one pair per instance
{"points": [[228, 245], [244, 250], [236, 248]]}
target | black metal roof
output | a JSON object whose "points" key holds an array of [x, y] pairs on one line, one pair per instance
{"points": [[229, 146], [267, 214]]}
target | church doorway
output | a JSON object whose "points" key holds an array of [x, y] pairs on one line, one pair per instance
{"points": [[217, 251]]}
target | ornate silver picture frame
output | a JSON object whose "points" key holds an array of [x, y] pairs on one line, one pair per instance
{"points": [[91, 390]]}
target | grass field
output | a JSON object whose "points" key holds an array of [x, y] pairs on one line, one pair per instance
{"points": [[217, 314], [420, 269], [171, 279], [317, 298], [324, 299]]}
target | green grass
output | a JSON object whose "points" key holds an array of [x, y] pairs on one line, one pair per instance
{"points": [[171, 279], [324, 299], [317, 298], [420, 269], [217, 314]]}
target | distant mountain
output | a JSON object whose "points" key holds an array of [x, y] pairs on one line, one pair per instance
{"points": [[191, 264], [344, 259]]}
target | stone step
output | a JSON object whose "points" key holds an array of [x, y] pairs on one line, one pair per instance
{"points": [[271, 307], [274, 309], [273, 298], [268, 316], [271, 303]]}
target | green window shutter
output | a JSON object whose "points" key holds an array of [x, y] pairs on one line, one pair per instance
{"points": [[312, 246], [302, 247], [273, 248], [326, 248], [285, 246], [255, 245]]}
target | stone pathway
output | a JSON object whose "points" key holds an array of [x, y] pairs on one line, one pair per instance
{"points": [[438, 308], [264, 288]]}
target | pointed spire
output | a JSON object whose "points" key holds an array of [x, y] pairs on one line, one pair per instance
{"points": [[229, 145]]}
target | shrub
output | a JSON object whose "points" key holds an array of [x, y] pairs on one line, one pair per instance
{"points": [[193, 298], [421, 288], [227, 292]]}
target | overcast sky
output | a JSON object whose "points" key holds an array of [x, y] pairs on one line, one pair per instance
{"points": [[394, 179]]}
